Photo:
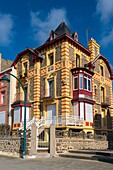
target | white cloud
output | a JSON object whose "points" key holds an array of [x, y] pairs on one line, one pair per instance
{"points": [[107, 39], [6, 26], [42, 27], [105, 9]]}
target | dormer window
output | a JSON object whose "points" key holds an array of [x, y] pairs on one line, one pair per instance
{"points": [[52, 35]]}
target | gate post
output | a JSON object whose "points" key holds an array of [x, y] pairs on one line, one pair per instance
{"points": [[33, 150], [52, 141]]}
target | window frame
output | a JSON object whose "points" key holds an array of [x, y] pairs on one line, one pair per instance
{"points": [[51, 55], [77, 60], [49, 87], [101, 70], [75, 77], [88, 79], [3, 97], [81, 79]]}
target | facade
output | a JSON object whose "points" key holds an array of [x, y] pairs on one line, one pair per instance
{"points": [[66, 83], [4, 92]]}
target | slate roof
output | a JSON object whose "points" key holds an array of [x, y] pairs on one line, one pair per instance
{"points": [[61, 30]]}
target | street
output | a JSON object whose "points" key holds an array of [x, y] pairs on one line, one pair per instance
{"points": [[8, 163]]}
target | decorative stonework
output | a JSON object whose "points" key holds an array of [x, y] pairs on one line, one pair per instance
{"points": [[31, 73]]}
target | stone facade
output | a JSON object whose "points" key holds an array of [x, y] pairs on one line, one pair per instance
{"points": [[58, 54], [58, 87], [71, 54], [64, 144]]}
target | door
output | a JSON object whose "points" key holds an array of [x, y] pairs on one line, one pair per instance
{"points": [[51, 114]]}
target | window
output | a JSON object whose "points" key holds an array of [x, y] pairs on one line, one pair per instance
{"points": [[102, 94], [87, 83], [51, 87], [50, 59], [2, 117], [81, 81], [75, 85], [89, 112], [101, 71], [76, 113], [81, 110], [3, 97], [25, 68], [16, 114], [77, 60]]}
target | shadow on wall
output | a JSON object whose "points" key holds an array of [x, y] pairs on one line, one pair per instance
{"points": [[100, 124]]}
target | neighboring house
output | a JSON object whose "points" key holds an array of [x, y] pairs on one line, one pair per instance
{"points": [[70, 85], [27, 67], [4, 92]]}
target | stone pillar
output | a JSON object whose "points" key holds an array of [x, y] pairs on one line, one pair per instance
{"points": [[52, 141], [33, 150]]}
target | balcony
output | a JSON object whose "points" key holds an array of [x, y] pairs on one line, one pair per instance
{"points": [[63, 120]]}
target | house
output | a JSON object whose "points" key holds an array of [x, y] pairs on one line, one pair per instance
{"points": [[5, 108], [66, 83]]}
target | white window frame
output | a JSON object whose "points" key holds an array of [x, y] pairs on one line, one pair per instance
{"points": [[75, 77], [48, 86], [80, 78], [88, 79], [89, 112]]}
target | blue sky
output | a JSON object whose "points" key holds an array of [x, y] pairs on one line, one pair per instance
{"points": [[27, 23]]}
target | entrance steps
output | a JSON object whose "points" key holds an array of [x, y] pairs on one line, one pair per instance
{"points": [[105, 156]]}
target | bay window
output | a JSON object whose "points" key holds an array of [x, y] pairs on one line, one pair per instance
{"points": [[82, 81]]}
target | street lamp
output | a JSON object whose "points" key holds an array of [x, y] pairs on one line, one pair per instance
{"points": [[4, 78]]}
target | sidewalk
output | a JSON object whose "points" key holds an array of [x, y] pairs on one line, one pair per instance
{"points": [[105, 156]]}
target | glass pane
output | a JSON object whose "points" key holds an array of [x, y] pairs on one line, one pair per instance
{"points": [[85, 83], [75, 82], [89, 84], [81, 83]]}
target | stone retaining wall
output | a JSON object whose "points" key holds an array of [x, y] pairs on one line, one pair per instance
{"points": [[64, 144], [14, 146], [10, 146]]}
